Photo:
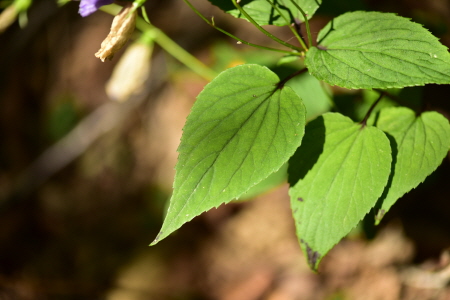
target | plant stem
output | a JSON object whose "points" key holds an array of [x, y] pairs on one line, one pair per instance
{"points": [[235, 37], [250, 19], [138, 3], [397, 99], [285, 80], [290, 27], [144, 14], [308, 30], [168, 45], [366, 117]]}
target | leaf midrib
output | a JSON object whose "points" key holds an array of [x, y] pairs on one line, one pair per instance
{"points": [[216, 158]]}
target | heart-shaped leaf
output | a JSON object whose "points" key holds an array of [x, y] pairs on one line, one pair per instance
{"points": [[339, 172], [420, 143], [241, 129]]}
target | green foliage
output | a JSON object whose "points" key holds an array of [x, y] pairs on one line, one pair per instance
{"points": [[62, 117], [314, 95], [337, 176], [377, 50], [263, 12], [241, 129], [420, 144], [247, 123]]}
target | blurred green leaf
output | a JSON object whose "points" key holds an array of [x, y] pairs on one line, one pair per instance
{"points": [[264, 14], [61, 119], [314, 95]]}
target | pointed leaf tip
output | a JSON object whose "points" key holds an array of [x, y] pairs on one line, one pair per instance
{"points": [[339, 172], [241, 129], [420, 144]]}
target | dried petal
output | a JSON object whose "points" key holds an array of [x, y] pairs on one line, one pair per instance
{"points": [[121, 29]]}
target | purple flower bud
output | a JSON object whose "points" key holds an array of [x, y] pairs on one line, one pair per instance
{"points": [[87, 7]]}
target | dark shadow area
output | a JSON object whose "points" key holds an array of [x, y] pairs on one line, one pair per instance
{"points": [[325, 36], [335, 8], [424, 213], [309, 151], [376, 214]]}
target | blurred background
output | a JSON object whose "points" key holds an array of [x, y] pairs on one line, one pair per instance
{"points": [[84, 180]]}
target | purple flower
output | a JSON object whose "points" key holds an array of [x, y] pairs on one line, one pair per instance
{"points": [[87, 7]]}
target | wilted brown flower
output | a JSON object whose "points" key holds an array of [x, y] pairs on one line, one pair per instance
{"points": [[121, 29]]}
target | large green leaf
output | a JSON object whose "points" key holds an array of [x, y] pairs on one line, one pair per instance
{"points": [[420, 143], [377, 50], [338, 174], [241, 129], [264, 14]]}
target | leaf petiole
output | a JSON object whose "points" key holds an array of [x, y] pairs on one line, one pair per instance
{"points": [[308, 30], [366, 117], [396, 98], [285, 80], [302, 43]]}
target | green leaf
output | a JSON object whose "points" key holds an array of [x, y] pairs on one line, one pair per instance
{"points": [[287, 59], [337, 174], [377, 50], [419, 145], [264, 14], [241, 129], [314, 95]]}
